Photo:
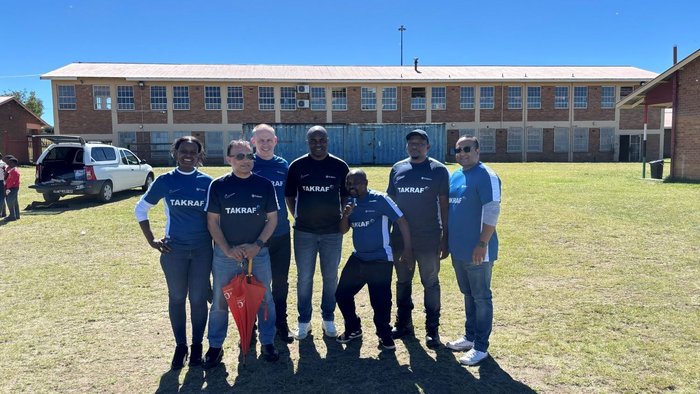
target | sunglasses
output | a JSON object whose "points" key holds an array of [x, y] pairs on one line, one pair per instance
{"points": [[466, 149], [241, 156]]}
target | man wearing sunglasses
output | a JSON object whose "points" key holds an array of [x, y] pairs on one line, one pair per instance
{"points": [[241, 217], [315, 194], [475, 198]]}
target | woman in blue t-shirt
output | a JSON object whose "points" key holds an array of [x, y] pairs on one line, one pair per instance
{"points": [[186, 248]]}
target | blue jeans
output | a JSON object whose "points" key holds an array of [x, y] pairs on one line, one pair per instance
{"points": [[475, 283], [187, 272], [223, 270], [12, 204], [429, 270], [328, 248]]}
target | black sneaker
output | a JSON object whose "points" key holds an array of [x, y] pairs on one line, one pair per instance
{"points": [[270, 354], [284, 335], [180, 357], [432, 340], [213, 357], [349, 336], [401, 331], [387, 343], [196, 355]]}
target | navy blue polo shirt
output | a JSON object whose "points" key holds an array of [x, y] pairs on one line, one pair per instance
{"points": [[370, 226], [275, 170]]}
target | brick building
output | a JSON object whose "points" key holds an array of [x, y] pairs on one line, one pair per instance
{"points": [[677, 88], [518, 113], [17, 123]]}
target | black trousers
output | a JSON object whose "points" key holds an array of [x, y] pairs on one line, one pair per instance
{"points": [[280, 254], [377, 276], [2, 199]]}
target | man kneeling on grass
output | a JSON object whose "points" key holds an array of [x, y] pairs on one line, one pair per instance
{"points": [[369, 213]]}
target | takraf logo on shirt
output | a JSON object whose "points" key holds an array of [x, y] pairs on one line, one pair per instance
{"points": [[364, 223], [413, 190], [277, 183], [241, 210], [456, 200], [186, 203], [316, 189], [255, 195]]}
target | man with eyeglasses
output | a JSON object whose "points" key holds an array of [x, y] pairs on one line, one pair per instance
{"points": [[241, 217], [475, 204], [419, 186], [316, 194]]}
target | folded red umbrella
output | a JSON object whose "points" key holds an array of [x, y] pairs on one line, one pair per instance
{"points": [[244, 294]]}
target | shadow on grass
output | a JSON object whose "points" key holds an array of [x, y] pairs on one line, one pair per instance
{"points": [[343, 370], [74, 203]]}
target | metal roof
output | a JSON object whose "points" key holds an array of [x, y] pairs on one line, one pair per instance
{"points": [[4, 99], [7, 99], [309, 74]]}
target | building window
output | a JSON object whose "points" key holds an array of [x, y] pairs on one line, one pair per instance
{"points": [[66, 97], [160, 144], [625, 91], [339, 99], [534, 139], [581, 139], [127, 139], [515, 139], [534, 97], [417, 98], [214, 146], [212, 97], [561, 139], [389, 99], [125, 97], [438, 101], [487, 140], [561, 97], [101, 97], [266, 98], [467, 132], [368, 99], [581, 97], [181, 97], [288, 98], [607, 134], [466, 97], [159, 98], [486, 100], [318, 99], [607, 97], [515, 97], [234, 99]]}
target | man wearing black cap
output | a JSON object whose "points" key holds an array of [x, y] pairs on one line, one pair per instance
{"points": [[420, 187]]}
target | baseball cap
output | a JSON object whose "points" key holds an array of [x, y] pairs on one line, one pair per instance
{"points": [[419, 133]]}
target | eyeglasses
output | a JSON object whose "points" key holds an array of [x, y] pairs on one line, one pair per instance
{"points": [[241, 156], [466, 149]]}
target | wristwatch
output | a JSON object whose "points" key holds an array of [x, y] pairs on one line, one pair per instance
{"points": [[260, 243], [481, 244]]}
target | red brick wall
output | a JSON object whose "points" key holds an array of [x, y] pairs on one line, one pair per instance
{"points": [[197, 113], [634, 118], [84, 119], [16, 123], [408, 115], [492, 115], [547, 111], [142, 109], [354, 113], [687, 148]]}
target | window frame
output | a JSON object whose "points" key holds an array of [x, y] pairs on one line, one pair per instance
{"points": [[515, 101], [487, 140], [100, 100], [288, 98], [158, 102], [609, 146], [534, 101], [579, 133], [466, 101], [438, 102], [538, 134], [66, 97], [181, 102], [125, 98], [554, 147], [266, 98], [560, 103], [389, 101], [607, 101], [418, 103], [317, 102], [580, 97], [487, 101], [339, 99], [234, 101], [514, 140], [368, 98], [212, 98]]}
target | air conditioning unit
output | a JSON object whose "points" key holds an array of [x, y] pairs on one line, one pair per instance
{"points": [[303, 89], [302, 103]]}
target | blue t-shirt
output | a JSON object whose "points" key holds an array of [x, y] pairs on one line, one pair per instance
{"points": [[275, 170], [185, 195], [243, 205], [370, 226], [470, 190]]}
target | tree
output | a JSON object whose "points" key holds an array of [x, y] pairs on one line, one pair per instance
{"points": [[30, 100]]}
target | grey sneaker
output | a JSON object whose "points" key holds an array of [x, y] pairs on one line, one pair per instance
{"points": [[460, 344], [349, 336]]}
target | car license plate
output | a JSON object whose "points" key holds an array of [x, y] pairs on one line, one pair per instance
{"points": [[67, 191]]}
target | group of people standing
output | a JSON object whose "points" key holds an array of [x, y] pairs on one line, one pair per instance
{"points": [[245, 214]]}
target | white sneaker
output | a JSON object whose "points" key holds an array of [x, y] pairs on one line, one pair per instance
{"points": [[302, 331], [460, 344], [329, 329], [473, 357]]}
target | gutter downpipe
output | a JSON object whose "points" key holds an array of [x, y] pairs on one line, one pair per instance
{"points": [[644, 142]]}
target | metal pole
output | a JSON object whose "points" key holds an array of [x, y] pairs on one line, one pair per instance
{"points": [[402, 29], [644, 142]]}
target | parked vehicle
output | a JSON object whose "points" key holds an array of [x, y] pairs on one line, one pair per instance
{"points": [[71, 165]]}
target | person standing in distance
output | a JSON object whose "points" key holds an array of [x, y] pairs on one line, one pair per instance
{"points": [[275, 168], [315, 194], [3, 166], [475, 204], [186, 250], [419, 185], [369, 215], [11, 190], [241, 216]]}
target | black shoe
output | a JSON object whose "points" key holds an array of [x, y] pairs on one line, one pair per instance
{"points": [[401, 331], [432, 340], [213, 357], [348, 336], [179, 358], [196, 355], [387, 343], [284, 335], [270, 354]]}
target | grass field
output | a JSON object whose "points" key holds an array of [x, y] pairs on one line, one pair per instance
{"points": [[597, 290]]}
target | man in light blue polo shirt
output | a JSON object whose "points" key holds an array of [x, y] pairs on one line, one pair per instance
{"points": [[475, 198]]}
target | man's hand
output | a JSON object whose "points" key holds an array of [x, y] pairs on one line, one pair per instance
{"points": [[444, 249], [250, 250], [160, 245], [347, 211], [479, 253], [235, 253]]}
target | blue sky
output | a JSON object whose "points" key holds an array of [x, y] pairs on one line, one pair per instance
{"points": [[43, 35]]}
